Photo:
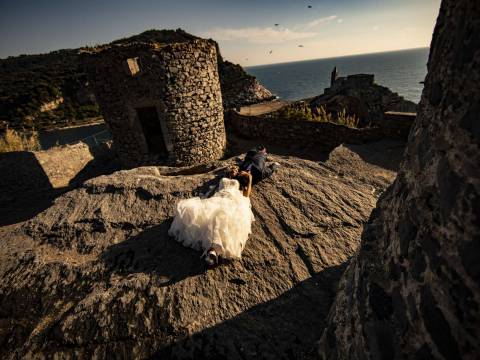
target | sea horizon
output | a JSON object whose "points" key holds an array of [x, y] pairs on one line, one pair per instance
{"points": [[335, 57], [401, 70]]}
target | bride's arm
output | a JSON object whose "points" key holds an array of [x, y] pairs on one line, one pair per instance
{"points": [[248, 190]]}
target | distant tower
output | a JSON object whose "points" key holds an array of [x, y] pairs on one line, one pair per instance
{"points": [[334, 76]]}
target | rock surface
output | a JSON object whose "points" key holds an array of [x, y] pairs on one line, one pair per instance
{"points": [[30, 180], [413, 289], [95, 275], [240, 88]]}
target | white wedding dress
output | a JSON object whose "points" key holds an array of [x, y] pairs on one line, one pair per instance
{"points": [[222, 221]]}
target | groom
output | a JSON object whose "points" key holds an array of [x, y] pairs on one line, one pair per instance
{"points": [[254, 163]]}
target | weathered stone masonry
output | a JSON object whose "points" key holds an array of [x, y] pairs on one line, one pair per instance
{"points": [[326, 135], [413, 289], [162, 102]]}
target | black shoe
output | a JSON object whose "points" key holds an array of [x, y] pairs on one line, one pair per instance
{"points": [[211, 259]]}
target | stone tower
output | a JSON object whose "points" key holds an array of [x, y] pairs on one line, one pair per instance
{"points": [[333, 76], [413, 289], [162, 102]]}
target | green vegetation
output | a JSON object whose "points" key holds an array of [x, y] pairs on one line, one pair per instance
{"points": [[289, 113], [347, 120], [320, 115], [323, 115], [29, 81], [12, 140]]}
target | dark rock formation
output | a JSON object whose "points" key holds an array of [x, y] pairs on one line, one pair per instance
{"points": [[360, 96], [240, 88], [96, 276], [413, 289]]}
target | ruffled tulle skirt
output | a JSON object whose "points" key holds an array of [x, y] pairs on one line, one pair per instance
{"points": [[223, 221]]}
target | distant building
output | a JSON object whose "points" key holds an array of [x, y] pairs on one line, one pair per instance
{"points": [[333, 76], [162, 102], [355, 81]]}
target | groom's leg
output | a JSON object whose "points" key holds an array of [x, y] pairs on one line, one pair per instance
{"points": [[269, 170]]}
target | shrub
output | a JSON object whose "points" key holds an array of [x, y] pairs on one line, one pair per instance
{"points": [[13, 141], [323, 116], [288, 113], [341, 117]]}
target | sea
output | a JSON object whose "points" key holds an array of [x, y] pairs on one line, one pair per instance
{"points": [[401, 71]]}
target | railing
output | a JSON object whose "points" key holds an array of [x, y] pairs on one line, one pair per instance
{"points": [[95, 140]]}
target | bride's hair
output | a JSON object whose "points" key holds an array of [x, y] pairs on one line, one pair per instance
{"points": [[243, 179]]}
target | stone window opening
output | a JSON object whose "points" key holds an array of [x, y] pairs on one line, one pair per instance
{"points": [[152, 130], [132, 66]]}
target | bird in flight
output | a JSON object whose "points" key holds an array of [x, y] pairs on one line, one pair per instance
{"points": [[300, 45], [277, 24], [270, 51], [309, 6]]}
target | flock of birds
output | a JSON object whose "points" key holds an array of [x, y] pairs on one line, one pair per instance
{"points": [[276, 25]]}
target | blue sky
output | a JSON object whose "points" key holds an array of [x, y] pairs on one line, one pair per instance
{"points": [[245, 29]]}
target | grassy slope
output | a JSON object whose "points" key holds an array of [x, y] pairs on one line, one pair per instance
{"points": [[28, 81]]}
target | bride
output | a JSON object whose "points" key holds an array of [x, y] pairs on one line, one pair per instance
{"points": [[219, 225]]}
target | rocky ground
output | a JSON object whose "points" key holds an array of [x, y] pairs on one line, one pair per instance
{"points": [[95, 274]]}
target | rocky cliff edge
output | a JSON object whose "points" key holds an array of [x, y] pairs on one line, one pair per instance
{"points": [[95, 275]]}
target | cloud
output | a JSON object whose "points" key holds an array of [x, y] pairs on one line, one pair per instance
{"points": [[323, 20], [257, 35]]}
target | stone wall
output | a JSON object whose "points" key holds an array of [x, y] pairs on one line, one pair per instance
{"points": [[397, 124], [325, 134], [413, 289], [179, 80]]}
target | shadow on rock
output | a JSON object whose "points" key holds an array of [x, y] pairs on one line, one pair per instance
{"points": [[286, 327], [386, 153], [153, 251], [25, 189], [209, 187], [104, 162]]}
